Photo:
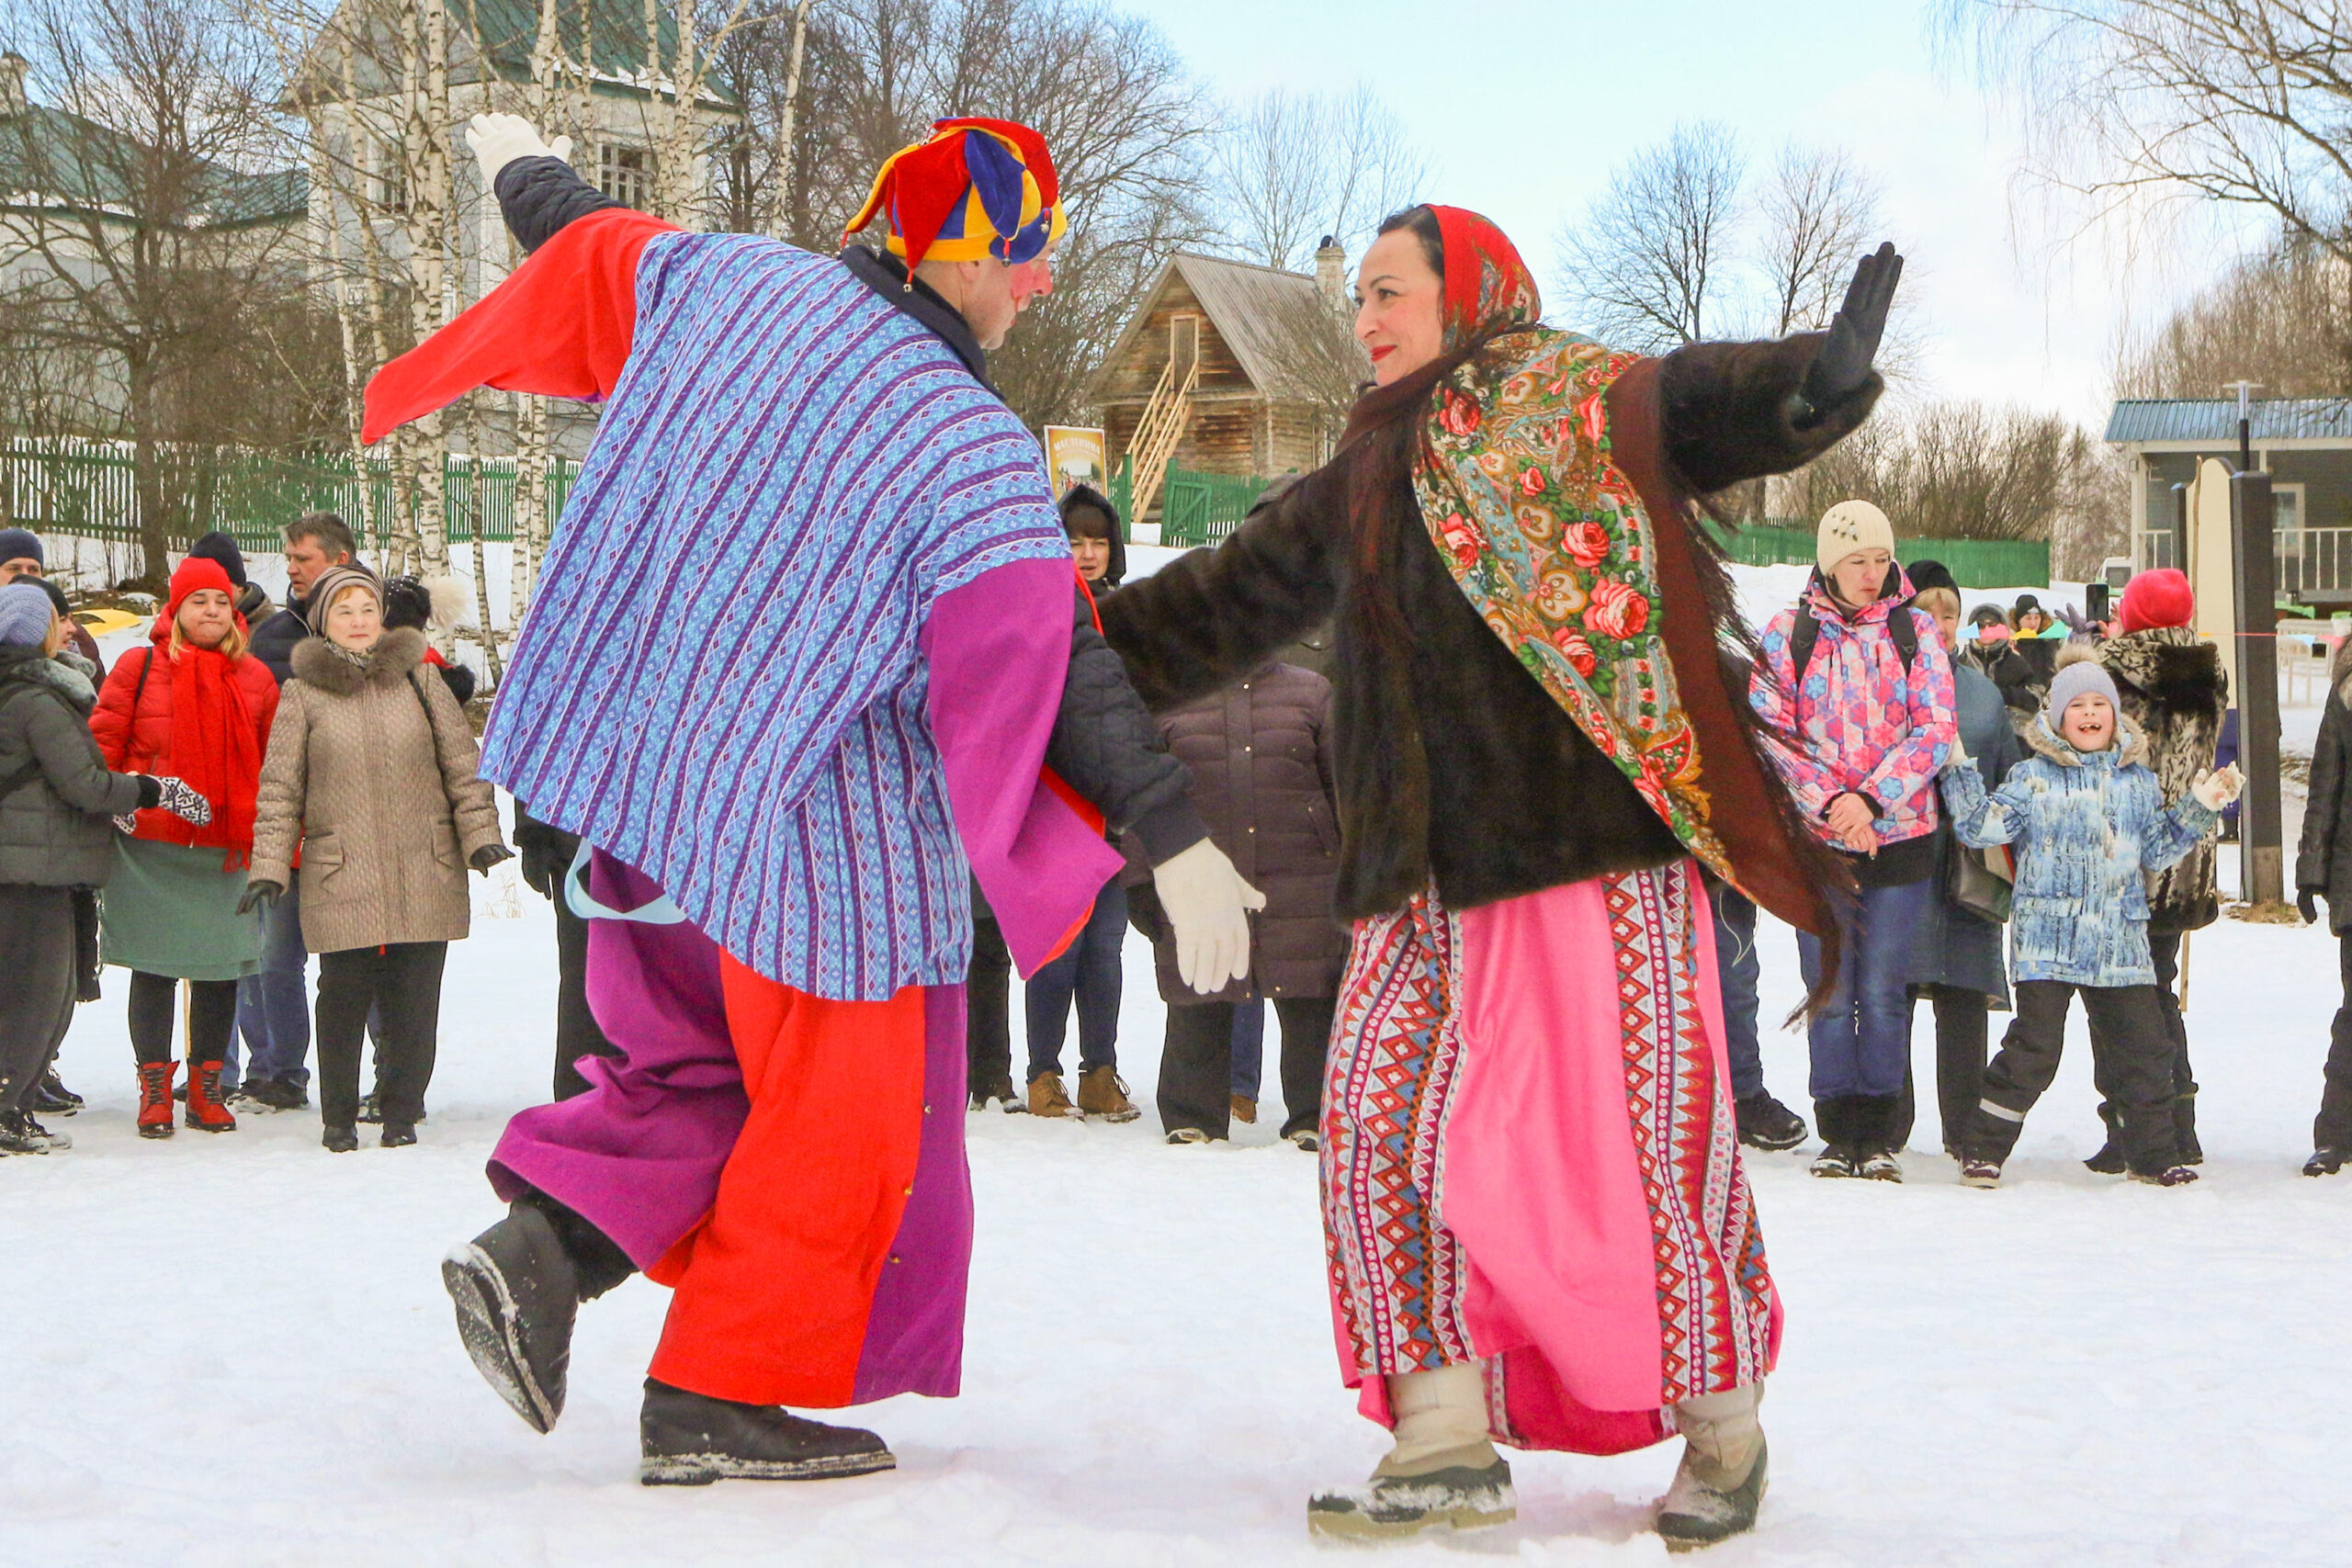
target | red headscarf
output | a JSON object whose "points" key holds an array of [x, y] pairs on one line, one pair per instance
{"points": [[216, 744], [1486, 286]]}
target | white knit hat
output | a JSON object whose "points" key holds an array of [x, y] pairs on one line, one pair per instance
{"points": [[1849, 526]]}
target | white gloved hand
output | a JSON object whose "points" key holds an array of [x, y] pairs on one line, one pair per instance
{"points": [[1208, 905], [499, 139], [2214, 791]]}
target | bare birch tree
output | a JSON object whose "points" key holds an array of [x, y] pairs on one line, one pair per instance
{"points": [[1645, 265], [1291, 169]]}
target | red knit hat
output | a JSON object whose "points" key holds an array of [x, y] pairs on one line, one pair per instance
{"points": [[194, 573], [2159, 598]]}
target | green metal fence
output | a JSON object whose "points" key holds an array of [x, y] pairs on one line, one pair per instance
{"points": [[89, 489], [1201, 509], [1974, 563]]}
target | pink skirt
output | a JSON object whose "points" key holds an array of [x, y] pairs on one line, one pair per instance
{"points": [[1530, 1159]]}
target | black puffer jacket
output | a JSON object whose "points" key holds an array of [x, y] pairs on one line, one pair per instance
{"points": [[274, 639], [2323, 864], [2173, 691], [1260, 755], [54, 828]]}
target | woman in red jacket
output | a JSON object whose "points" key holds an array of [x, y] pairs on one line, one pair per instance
{"points": [[193, 705]]}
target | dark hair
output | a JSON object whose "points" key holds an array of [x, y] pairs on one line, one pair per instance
{"points": [[1422, 221], [1077, 505], [328, 529]]}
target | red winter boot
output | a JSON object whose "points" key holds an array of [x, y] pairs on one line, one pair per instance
{"points": [[155, 1099], [205, 1111]]}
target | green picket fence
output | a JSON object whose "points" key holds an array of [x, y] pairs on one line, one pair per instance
{"points": [[1974, 563], [89, 489]]}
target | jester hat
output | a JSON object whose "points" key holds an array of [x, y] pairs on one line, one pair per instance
{"points": [[977, 188]]}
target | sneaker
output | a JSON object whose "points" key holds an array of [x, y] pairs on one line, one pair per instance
{"points": [[516, 1294], [1101, 1093], [1878, 1164], [371, 1109], [1766, 1123], [1306, 1138], [1245, 1110], [2326, 1161], [1835, 1161], [2108, 1161], [1695, 1514], [2171, 1176], [339, 1140], [1388, 1508], [692, 1439], [1183, 1136], [1980, 1173], [1048, 1098], [20, 1134], [51, 1098]]}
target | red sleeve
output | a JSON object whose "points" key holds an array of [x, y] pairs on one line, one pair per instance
{"points": [[558, 326], [110, 721]]}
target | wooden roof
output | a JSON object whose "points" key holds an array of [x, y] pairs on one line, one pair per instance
{"points": [[1245, 303]]}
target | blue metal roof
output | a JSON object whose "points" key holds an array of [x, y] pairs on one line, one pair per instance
{"points": [[2215, 420]]}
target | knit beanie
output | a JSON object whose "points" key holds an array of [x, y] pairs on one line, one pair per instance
{"points": [[56, 594], [25, 615], [16, 544], [1927, 574], [192, 575], [218, 546], [2084, 676], [331, 582], [1849, 526], [2159, 598]]}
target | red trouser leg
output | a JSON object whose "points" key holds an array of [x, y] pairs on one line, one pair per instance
{"points": [[774, 1287]]}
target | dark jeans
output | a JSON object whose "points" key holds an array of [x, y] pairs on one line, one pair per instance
{"points": [[2165, 948], [2132, 1054], [211, 1017], [1963, 1029], [1738, 965], [1861, 1041], [577, 1033], [1089, 972], [273, 1005], [404, 981], [1249, 1046], [1196, 1065], [37, 999], [2333, 1130], [987, 999]]}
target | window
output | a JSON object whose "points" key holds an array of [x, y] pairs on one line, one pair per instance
{"points": [[391, 192], [626, 173]]}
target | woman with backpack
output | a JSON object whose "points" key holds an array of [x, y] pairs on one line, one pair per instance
{"points": [[372, 770], [197, 703], [56, 843], [1855, 682]]}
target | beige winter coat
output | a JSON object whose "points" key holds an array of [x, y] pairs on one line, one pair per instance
{"points": [[382, 798]]}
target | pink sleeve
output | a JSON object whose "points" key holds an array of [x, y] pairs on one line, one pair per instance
{"points": [[998, 649], [1773, 692]]}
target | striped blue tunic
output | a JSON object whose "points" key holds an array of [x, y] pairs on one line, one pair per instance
{"points": [[719, 681]]}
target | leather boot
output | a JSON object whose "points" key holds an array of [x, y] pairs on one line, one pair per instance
{"points": [[1100, 1093], [205, 1111], [155, 1099], [692, 1439]]}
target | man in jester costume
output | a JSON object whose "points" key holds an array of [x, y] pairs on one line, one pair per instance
{"points": [[803, 662]]}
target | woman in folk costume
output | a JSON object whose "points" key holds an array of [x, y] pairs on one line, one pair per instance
{"points": [[796, 671], [1537, 1226]]}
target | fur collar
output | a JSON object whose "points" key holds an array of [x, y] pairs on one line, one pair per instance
{"points": [[67, 681], [317, 662], [2171, 666], [2131, 747]]}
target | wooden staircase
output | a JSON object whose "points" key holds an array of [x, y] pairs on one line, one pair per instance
{"points": [[1161, 428]]}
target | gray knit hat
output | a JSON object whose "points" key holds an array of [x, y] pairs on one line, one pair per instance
{"points": [[329, 587], [2085, 677], [25, 615]]}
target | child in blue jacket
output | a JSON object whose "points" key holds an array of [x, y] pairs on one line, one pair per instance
{"points": [[2087, 817]]}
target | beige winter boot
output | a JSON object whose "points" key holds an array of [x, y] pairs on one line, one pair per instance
{"points": [[1442, 1470], [1048, 1098], [1100, 1093], [1720, 1481]]}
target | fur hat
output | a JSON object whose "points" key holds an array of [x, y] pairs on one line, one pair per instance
{"points": [[430, 603], [1849, 526], [20, 543], [25, 615], [2079, 674], [2159, 598], [330, 583]]}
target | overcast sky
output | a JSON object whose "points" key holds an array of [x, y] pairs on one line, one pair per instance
{"points": [[1524, 106]]}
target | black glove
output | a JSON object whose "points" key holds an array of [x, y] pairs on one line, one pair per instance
{"points": [[258, 895], [1843, 365], [182, 801], [2307, 901], [489, 855], [546, 855]]}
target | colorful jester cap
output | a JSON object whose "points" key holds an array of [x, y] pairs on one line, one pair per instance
{"points": [[977, 188]]}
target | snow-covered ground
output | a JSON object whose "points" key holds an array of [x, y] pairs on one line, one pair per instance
{"points": [[237, 1350]]}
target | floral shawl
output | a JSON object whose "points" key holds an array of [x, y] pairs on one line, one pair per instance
{"points": [[1545, 534]]}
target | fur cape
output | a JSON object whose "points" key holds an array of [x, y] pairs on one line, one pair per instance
{"points": [[2175, 692]]}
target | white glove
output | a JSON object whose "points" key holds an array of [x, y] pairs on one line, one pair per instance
{"points": [[499, 139], [1208, 905], [2214, 791]]}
